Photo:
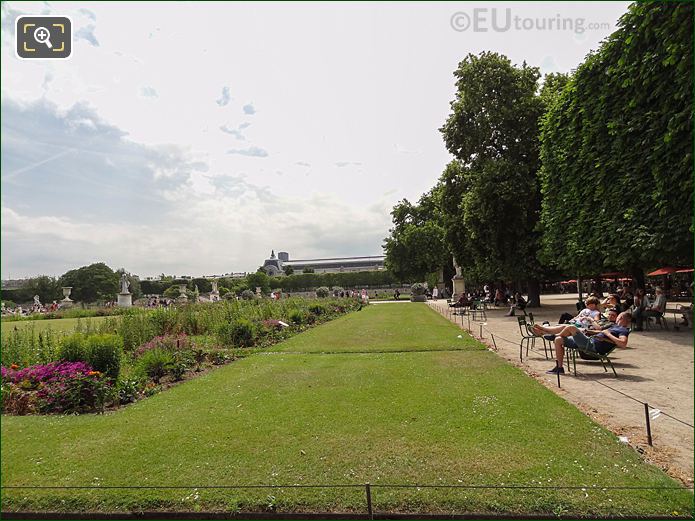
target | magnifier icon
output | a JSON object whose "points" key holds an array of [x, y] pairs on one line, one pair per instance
{"points": [[43, 35]]}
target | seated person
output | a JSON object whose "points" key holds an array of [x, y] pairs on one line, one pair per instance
{"points": [[499, 297], [611, 301], [593, 342], [517, 303], [462, 302], [656, 309], [586, 317]]}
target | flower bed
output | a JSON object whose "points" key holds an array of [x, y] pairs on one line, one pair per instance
{"points": [[145, 352]]}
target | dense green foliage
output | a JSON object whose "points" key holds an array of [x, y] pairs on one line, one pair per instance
{"points": [[416, 245], [491, 196], [96, 282], [310, 281], [47, 288], [617, 149]]}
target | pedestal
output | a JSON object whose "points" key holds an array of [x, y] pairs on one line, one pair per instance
{"points": [[459, 286], [125, 300]]}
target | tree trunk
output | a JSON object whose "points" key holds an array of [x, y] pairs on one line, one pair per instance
{"points": [[534, 293], [598, 286], [579, 287], [637, 278]]}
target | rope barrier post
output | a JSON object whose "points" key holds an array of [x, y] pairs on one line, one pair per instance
{"points": [[481, 331], [649, 425], [558, 377], [469, 323], [368, 492], [493, 341]]}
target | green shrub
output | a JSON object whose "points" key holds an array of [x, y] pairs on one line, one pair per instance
{"points": [[317, 309], [247, 294], [73, 348], [128, 389], [104, 353], [155, 363], [163, 320], [297, 317], [242, 332], [322, 292]]}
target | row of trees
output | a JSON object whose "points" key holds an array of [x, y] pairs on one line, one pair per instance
{"points": [[591, 172], [97, 282]]}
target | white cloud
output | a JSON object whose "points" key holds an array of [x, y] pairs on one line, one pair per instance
{"points": [[251, 151], [149, 92], [225, 98]]}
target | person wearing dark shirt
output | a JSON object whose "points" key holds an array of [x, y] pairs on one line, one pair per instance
{"points": [[590, 341], [519, 303]]}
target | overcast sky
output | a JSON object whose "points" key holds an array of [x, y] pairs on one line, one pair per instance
{"points": [[193, 138]]}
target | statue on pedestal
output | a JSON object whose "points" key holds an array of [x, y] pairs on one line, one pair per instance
{"points": [[458, 282], [125, 299]]}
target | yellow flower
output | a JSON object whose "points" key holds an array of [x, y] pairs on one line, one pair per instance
{"points": [[93, 373]]}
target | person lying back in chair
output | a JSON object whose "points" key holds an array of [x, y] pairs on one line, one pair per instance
{"points": [[599, 342]]}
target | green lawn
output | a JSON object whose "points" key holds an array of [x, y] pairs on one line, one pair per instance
{"points": [[63, 325], [444, 417], [383, 327]]}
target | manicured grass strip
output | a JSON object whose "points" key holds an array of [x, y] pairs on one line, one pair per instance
{"points": [[383, 327], [413, 418], [63, 325]]}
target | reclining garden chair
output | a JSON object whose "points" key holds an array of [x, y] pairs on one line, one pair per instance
{"points": [[573, 352]]}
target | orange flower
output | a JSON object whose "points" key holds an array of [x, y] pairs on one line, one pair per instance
{"points": [[14, 367], [93, 373]]}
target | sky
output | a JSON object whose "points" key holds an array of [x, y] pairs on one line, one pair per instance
{"points": [[193, 138]]}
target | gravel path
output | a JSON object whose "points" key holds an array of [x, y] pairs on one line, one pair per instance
{"points": [[657, 367]]}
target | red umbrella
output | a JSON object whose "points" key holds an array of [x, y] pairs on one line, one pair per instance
{"points": [[662, 271]]}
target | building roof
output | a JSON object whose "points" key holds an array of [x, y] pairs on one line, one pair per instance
{"points": [[374, 259]]}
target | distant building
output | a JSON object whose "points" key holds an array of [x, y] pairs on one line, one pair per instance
{"points": [[275, 265], [13, 283]]}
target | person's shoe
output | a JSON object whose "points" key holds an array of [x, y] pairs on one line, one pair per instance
{"points": [[556, 370]]}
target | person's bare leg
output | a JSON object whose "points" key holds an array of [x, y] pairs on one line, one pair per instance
{"points": [[548, 330], [559, 350], [568, 331]]}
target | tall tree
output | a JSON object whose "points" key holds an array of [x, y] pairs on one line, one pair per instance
{"points": [[616, 153], [47, 288], [92, 283], [416, 245], [492, 195]]}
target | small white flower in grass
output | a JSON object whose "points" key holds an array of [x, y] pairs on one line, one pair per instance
{"points": [[460, 336]]}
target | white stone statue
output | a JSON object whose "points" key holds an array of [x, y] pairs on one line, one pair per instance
{"points": [[124, 284], [125, 299], [37, 301]]}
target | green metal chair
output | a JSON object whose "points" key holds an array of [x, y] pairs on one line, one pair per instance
{"points": [[478, 310], [572, 353], [547, 343], [526, 337]]}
